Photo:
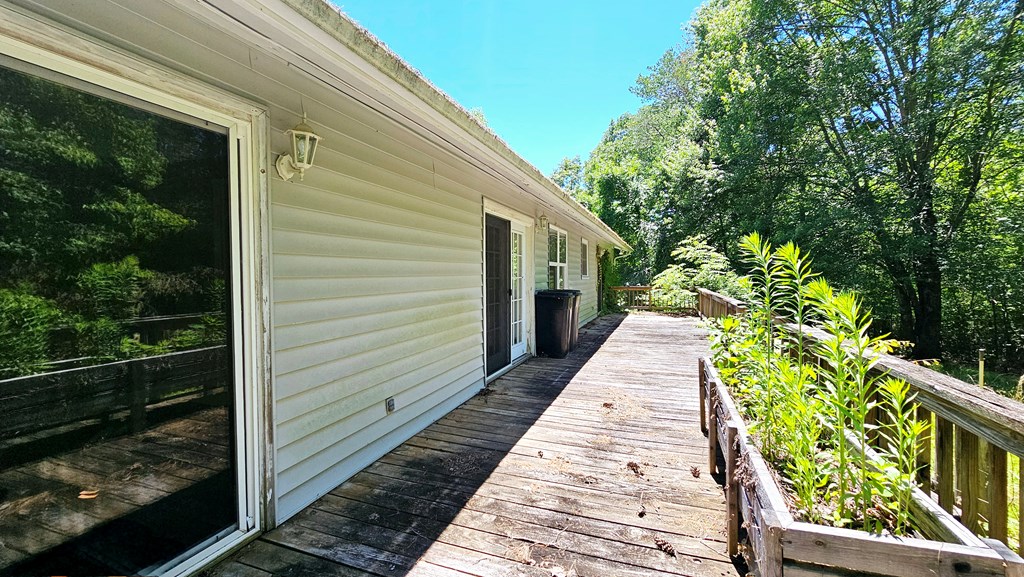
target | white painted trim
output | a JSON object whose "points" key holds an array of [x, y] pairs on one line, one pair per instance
{"points": [[584, 258], [48, 46], [509, 214], [530, 287], [520, 349], [483, 288]]}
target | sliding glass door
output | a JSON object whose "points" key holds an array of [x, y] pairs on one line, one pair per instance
{"points": [[118, 331]]}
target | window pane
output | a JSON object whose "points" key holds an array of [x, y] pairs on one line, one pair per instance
{"points": [[552, 276], [516, 255], [584, 258], [552, 246], [562, 248], [115, 257]]}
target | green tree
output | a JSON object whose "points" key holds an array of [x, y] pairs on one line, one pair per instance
{"points": [[569, 175], [632, 179], [885, 115], [699, 265]]}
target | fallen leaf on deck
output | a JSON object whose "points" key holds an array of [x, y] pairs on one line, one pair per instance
{"points": [[608, 405], [695, 471], [635, 467], [665, 546]]}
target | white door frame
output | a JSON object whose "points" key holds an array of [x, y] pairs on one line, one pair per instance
{"points": [[518, 349], [84, 60]]}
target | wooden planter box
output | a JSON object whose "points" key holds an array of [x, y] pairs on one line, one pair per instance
{"points": [[776, 544]]}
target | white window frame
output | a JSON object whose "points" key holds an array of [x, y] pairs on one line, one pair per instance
{"points": [[82, 60], [584, 258], [561, 268]]}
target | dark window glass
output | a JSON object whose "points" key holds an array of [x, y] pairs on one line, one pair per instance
{"points": [[116, 433]]}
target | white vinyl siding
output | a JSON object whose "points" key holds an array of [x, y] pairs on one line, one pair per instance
{"points": [[587, 287], [377, 294]]}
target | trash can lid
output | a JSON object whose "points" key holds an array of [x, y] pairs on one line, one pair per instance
{"points": [[552, 294]]}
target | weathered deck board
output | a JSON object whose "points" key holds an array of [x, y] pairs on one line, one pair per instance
{"points": [[533, 477]]}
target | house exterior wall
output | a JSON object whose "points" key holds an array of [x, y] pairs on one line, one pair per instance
{"points": [[376, 255], [574, 280], [377, 294]]}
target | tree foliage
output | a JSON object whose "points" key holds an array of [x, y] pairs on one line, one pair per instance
{"points": [[699, 265], [886, 137]]}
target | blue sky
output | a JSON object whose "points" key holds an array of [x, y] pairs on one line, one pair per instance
{"points": [[549, 75]]}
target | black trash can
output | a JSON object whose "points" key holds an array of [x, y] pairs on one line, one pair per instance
{"points": [[574, 322], [554, 319]]}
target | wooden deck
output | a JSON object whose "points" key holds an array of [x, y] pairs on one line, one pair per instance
{"points": [[579, 466]]}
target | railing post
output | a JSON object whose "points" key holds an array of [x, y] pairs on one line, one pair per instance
{"points": [[968, 478], [701, 391], [924, 451], [997, 502], [137, 396], [712, 428], [944, 462], [732, 493]]}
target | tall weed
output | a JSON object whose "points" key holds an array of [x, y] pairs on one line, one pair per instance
{"points": [[809, 405]]}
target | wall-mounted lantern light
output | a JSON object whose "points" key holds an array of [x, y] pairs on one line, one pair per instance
{"points": [[304, 143], [543, 221]]}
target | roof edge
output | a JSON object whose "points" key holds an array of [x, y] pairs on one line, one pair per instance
{"points": [[359, 40]]}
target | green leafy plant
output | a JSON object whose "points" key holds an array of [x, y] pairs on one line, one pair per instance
{"points": [[25, 324], [902, 439], [809, 405], [611, 276], [210, 331], [698, 264], [100, 338]]}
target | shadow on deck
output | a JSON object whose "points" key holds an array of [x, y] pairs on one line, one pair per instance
{"points": [[575, 466]]}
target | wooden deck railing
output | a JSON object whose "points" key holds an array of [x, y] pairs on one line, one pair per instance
{"points": [[964, 463], [713, 305], [648, 298]]}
